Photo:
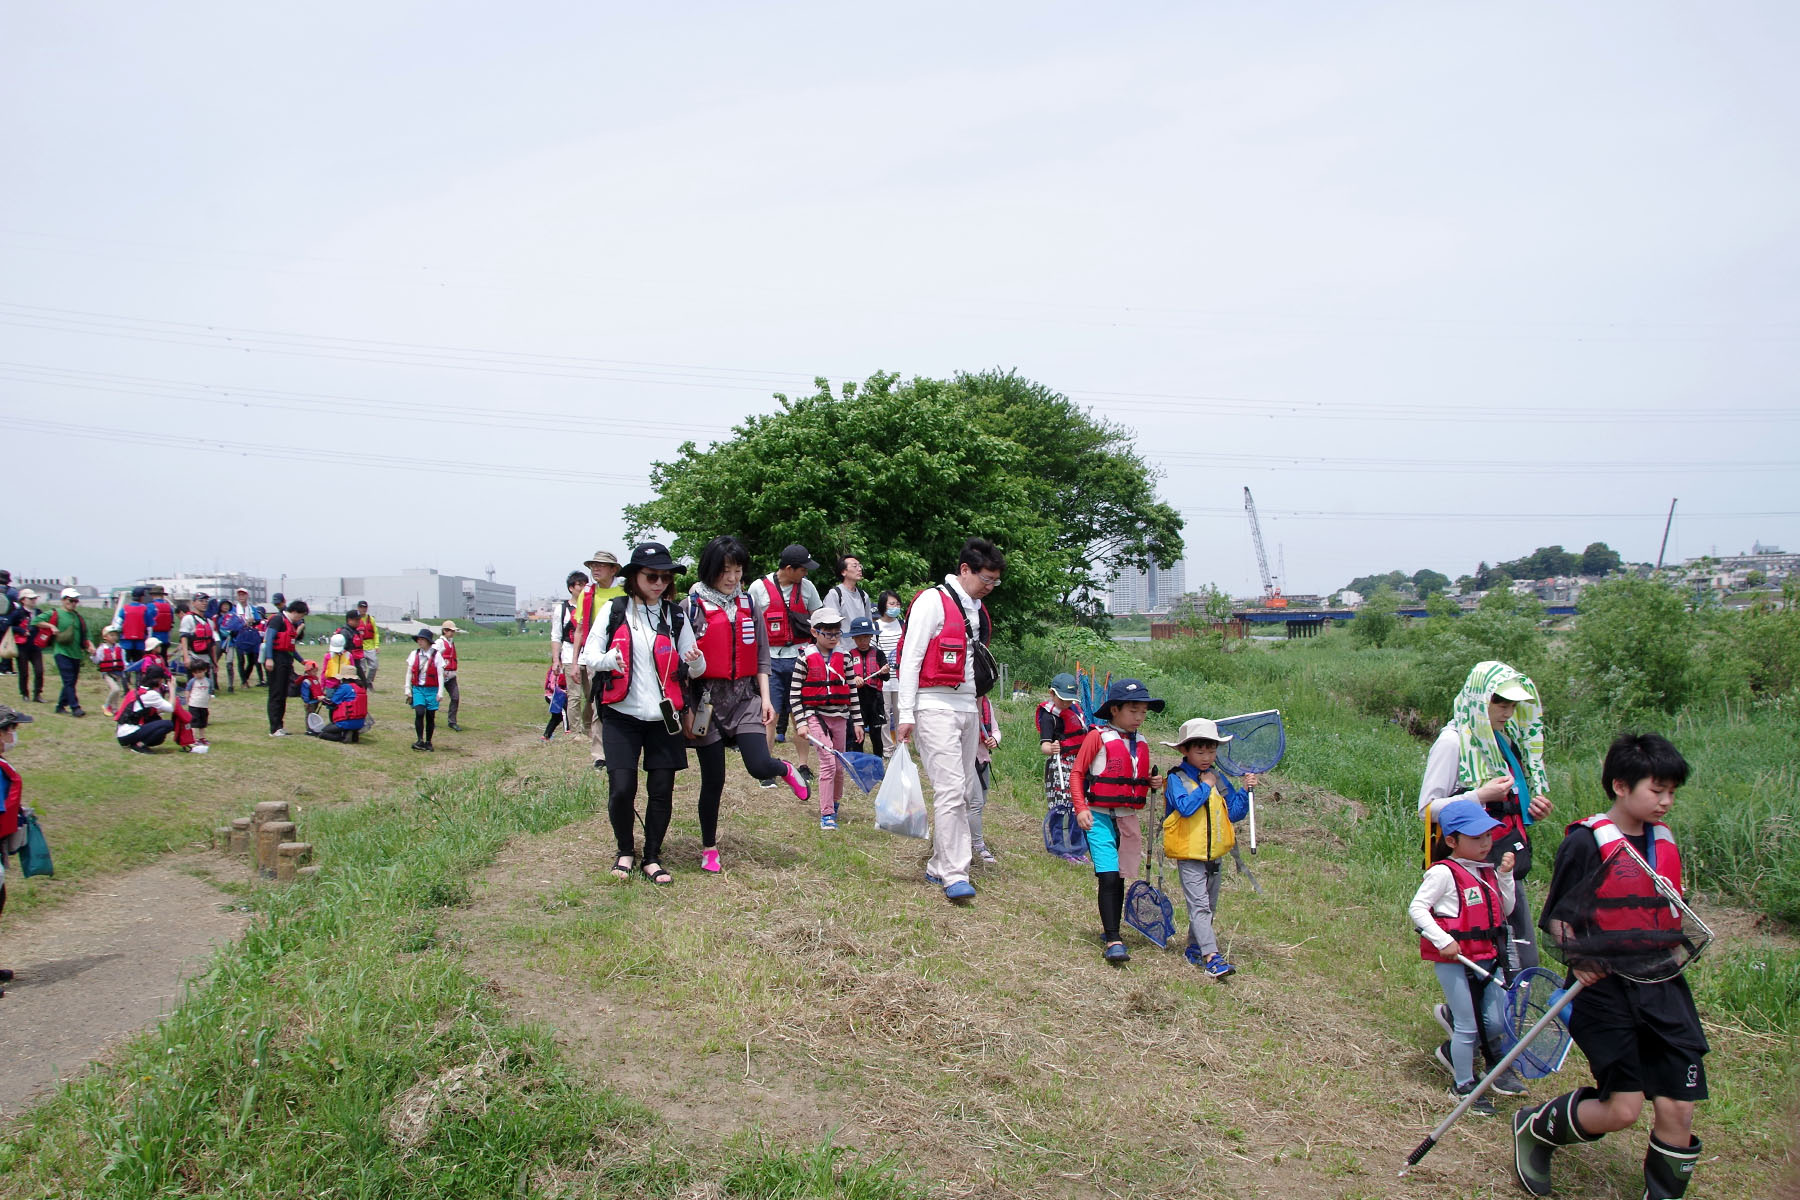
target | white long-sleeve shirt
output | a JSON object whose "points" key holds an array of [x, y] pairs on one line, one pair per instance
{"points": [[1441, 770], [152, 699], [1438, 897], [926, 622], [644, 695]]}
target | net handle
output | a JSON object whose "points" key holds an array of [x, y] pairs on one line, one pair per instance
{"points": [[1482, 1085]]}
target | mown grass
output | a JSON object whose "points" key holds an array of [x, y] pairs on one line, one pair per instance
{"points": [[341, 1049], [106, 810]]}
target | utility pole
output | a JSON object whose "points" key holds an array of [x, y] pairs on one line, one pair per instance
{"points": [[1665, 542]]}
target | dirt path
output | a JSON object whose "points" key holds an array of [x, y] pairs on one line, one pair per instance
{"points": [[101, 966]]}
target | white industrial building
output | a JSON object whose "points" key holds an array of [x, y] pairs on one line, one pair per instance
{"points": [[1152, 589], [418, 593]]}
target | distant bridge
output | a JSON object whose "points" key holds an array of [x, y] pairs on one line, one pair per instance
{"points": [[1306, 622]]}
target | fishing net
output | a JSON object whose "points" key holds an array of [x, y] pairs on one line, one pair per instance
{"points": [[1063, 835], [1149, 911], [1625, 919], [1257, 743], [1533, 993], [1092, 690], [867, 770]]}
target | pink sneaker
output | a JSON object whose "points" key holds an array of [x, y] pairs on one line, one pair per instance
{"points": [[801, 791], [709, 859]]}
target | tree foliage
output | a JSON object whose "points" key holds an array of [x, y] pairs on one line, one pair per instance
{"points": [[1377, 620], [1427, 583], [1600, 559], [1632, 650], [899, 473]]}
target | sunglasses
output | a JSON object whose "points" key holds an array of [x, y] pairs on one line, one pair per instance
{"points": [[656, 576]]}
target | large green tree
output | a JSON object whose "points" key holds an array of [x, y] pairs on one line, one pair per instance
{"points": [[898, 473]]}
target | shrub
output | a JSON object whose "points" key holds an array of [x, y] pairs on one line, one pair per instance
{"points": [[1377, 620], [1632, 649]]}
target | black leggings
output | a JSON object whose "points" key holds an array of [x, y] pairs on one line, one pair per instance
{"points": [[659, 805], [425, 723], [30, 657], [1112, 903], [755, 749]]}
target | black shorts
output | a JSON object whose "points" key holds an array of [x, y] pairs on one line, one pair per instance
{"points": [[1631, 1056]]}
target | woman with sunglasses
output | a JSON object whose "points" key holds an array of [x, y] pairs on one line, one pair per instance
{"points": [[731, 692], [640, 655]]}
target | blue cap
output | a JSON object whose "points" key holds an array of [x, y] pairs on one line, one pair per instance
{"points": [[1065, 687], [1125, 691], [1466, 817], [862, 627]]}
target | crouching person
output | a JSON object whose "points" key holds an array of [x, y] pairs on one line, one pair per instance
{"points": [[146, 716], [349, 711]]}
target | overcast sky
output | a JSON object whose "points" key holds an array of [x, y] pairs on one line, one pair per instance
{"points": [[1439, 282]]}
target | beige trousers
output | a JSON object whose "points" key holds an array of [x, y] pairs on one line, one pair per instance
{"points": [[947, 741]]}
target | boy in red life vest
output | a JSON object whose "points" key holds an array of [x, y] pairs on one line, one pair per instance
{"points": [[823, 702], [1640, 1039], [110, 658], [1461, 909], [133, 620], [447, 651], [12, 801], [869, 671], [162, 618], [424, 688], [1108, 785], [1061, 728]]}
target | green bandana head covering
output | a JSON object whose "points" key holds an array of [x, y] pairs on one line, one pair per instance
{"points": [[1480, 759]]}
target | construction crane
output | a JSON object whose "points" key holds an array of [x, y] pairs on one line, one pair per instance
{"points": [[1272, 597]]}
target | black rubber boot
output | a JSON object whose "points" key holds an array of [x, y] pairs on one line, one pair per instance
{"points": [[1667, 1170], [1537, 1132]]}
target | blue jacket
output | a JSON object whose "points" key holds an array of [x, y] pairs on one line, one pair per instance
{"points": [[1187, 792], [341, 694]]}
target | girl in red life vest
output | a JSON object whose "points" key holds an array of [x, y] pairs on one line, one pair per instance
{"points": [[1109, 783], [1061, 728], [424, 688], [641, 652], [1461, 909], [12, 800], [731, 694], [1640, 1039], [447, 650], [110, 658], [822, 701]]}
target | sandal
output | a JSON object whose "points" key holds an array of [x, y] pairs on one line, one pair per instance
{"points": [[621, 869], [659, 876]]}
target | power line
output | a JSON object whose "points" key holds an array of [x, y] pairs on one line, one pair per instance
{"points": [[354, 458]]}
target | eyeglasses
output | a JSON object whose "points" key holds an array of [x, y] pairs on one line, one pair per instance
{"points": [[993, 581], [828, 632]]}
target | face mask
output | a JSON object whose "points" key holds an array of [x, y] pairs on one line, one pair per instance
{"points": [[893, 612]]}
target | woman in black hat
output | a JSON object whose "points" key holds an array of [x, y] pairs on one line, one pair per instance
{"points": [[641, 653]]}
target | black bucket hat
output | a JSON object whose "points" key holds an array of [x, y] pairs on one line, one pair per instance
{"points": [[1123, 690], [651, 556]]}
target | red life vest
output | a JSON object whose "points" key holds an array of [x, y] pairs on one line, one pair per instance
{"points": [[778, 617], [827, 680], [202, 637], [1480, 920], [727, 639], [15, 800], [112, 659], [1625, 899], [1123, 780], [134, 623], [947, 654], [164, 618], [866, 664], [447, 648], [618, 682], [1074, 727], [44, 632], [422, 669], [356, 708], [133, 711], [569, 624], [284, 632]]}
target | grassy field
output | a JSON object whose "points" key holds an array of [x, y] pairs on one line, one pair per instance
{"points": [[465, 1005]]}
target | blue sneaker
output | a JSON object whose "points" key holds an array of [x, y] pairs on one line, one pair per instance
{"points": [[827, 822], [1217, 967], [1194, 956], [960, 891], [1116, 953], [933, 880], [780, 738]]}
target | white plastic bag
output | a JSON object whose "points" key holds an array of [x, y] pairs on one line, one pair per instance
{"points": [[900, 804]]}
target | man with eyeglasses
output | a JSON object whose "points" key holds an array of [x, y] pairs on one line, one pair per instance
{"points": [[940, 703]]}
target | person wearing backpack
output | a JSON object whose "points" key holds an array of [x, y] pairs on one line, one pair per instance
{"points": [[146, 717], [640, 653], [940, 689], [70, 646], [246, 645]]}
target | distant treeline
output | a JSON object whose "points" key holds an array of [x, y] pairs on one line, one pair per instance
{"points": [[1598, 559]]}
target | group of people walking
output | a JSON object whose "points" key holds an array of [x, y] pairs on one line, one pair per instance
{"points": [[766, 661]]}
